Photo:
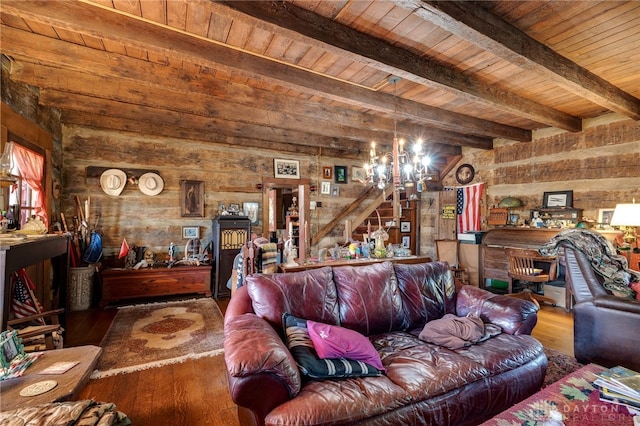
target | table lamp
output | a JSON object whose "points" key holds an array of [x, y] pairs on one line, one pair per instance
{"points": [[627, 215]]}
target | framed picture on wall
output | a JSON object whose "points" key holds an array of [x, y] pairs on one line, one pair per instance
{"points": [[358, 174], [341, 174], [251, 211], [190, 232], [406, 242], [192, 198], [405, 226], [325, 188], [327, 173], [604, 217], [286, 168], [558, 199]]}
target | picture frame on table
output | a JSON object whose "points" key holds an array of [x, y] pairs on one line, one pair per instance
{"points": [[405, 226], [604, 217], [190, 232], [325, 188], [558, 199], [340, 174], [192, 198], [286, 169], [251, 211]]}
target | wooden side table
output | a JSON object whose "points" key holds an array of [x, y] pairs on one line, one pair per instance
{"points": [[70, 383]]}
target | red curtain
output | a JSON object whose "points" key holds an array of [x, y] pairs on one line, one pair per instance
{"points": [[31, 166]]}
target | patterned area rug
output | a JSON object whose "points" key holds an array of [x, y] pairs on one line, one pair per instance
{"points": [[574, 397], [560, 365], [153, 335]]}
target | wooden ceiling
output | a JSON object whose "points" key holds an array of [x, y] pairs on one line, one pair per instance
{"points": [[311, 76]]}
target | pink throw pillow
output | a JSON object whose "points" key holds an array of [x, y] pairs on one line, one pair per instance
{"points": [[331, 341], [636, 288]]}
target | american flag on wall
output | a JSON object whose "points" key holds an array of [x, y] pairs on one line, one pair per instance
{"points": [[23, 302], [468, 207]]}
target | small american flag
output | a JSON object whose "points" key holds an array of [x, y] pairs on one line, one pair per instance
{"points": [[468, 207], [23, 302]]}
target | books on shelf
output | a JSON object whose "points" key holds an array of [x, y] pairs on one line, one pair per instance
{"points": [[620, 385]]}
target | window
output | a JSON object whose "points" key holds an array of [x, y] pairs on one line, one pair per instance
{"points": [[28, 192]]}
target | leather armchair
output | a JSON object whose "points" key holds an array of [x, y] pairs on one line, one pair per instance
{"points": [[605, 327]]}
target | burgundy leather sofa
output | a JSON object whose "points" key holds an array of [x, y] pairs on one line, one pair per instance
{"points": [[605, 327], [424, 384]]}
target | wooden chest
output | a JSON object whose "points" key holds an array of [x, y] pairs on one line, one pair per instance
{"points": [[118, 284]]}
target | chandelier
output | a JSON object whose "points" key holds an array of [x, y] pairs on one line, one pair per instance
{"points": [[399, 166]]}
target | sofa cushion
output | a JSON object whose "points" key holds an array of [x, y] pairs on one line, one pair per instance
{"points": [[301, 347], [370, 301], [307, 294], [428, 291], [331, 341]]}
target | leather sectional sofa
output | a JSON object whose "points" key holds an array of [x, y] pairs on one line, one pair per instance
{"points": [[605, 327], [424, 383]]}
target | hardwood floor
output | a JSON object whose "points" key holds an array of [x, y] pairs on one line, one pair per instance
{"points": [[196, 392]]}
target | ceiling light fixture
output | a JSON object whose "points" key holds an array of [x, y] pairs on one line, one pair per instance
{"points": [[398, 167]]}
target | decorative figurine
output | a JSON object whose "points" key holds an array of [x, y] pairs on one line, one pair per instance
{"points": [[172, 252]]}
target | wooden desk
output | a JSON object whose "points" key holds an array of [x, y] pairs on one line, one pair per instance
{"points": [[495, 264], [17, 253], [118, 284], [354, 262], [69, 385]]}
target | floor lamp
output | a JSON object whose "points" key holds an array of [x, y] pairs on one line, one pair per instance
{"points": [[627, 215]]}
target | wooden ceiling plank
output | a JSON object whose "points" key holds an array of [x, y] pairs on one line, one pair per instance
{"points": [[154, 10], [80, 17], [129, 6], [475, 23], [177, 14], [361, 47]]}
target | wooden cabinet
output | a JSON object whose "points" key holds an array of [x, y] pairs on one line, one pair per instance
{"points": [[229, 235], [121, 284]]}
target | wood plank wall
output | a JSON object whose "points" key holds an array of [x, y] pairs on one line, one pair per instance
{"points": [[230, 175], [601, 165]]}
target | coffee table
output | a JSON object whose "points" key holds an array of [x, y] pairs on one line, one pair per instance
{"points": [[574, 396], [68, 385]]}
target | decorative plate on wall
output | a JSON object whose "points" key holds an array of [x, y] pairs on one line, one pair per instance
{"points": [[465, 174]]}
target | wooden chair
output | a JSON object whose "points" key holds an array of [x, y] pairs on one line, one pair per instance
{"points": [[525, 266], [44, 331], [39, 331], [447, 251]]}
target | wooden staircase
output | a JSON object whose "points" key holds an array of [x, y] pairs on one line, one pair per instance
{"points": [[407, 226]]}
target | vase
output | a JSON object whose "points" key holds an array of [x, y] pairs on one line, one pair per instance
{"points": [[380, 251]]}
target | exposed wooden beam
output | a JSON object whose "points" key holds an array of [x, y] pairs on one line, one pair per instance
{"points": [[134, 125], [80, 17], [479, 26], [366, 49]]}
